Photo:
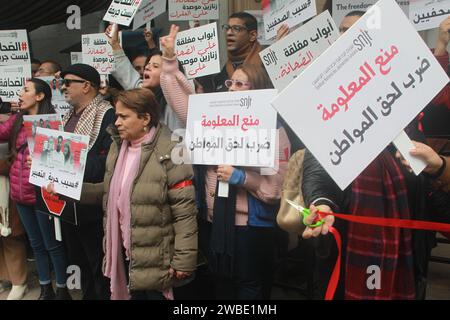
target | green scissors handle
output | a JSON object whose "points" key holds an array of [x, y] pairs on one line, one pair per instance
{"points": [[305, 213]]}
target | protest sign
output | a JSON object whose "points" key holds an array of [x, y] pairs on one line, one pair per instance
{"points": [[290, 56], [198, 51], [180, 10], [76, 57], [342, 7], [59, 157], [148, 11], [14, 49], [292, 13], [234, 128], [258, 14], [12, 80], [58, 100], [122, 11], [362, 92], [98, 53], [48, 121], [426, 14]]}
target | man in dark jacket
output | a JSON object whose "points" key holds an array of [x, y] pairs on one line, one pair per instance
{"points": [[90, 116], [242, 46]]}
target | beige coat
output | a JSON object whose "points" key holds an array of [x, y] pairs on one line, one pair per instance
{"points": [[163, 219]]}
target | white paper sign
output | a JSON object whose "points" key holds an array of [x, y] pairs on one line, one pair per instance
{"points": [[198, 51], [428, 14], [76, 57], [12, 80], [359, 94], [148, 11], [342, 7], [404, 144], [14, 48], [122, 11], [98, 53], [258, 14], [65, 168], [292, 13], [193, 10], [58, 100], [48, 121], [290, 56], [234, 128]]}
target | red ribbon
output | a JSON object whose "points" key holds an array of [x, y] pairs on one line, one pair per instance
{"points": [[381, 222]]}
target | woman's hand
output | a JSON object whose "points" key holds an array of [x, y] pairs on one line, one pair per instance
{"points": [[443, 38], [320, 230], [224, 173], [112, 34], [148, 35], [168, 42], [282, 32], [51, 189], [29, 161], [179, 275], [427, 154]]}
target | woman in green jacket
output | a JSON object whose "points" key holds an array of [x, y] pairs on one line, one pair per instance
{"points": [[150, 222]]}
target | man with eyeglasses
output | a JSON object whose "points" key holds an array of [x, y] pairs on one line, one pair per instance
{"points": [[242, 46], [90, 115]]}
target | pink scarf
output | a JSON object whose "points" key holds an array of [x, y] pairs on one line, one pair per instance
{"points": [[119, 205]]}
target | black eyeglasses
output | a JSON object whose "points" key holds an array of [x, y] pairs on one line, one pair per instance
{"points": [[238, 83], [234, 28], [67, 82]]}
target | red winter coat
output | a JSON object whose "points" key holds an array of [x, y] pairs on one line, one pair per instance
{"points": [[22, 191]]}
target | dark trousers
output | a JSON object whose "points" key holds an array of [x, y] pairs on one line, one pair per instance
{"points": [[253, 267], [84, 247]]}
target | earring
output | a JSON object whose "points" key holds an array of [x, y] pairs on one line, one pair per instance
{"points": [[145, 129]]}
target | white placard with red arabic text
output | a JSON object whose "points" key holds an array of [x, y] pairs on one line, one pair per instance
{"points": [[12, 80], [98, 53], [362, 92], [14, 48], [180, 10], [197, 50], [233, 128], [290, 56]]}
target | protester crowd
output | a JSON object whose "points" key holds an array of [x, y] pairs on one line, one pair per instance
{"points": [[149, 228]]}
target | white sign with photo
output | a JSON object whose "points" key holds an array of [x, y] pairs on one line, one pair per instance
{"points": [[59, 158], [31, 123], [362, 92], [234, 128], [290, 56], [58, 100]]}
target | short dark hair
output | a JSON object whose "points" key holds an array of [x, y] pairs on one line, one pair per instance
{"points": [[142, 101], [355, 13], [56, 67], [34, 60], [250, 21]]}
